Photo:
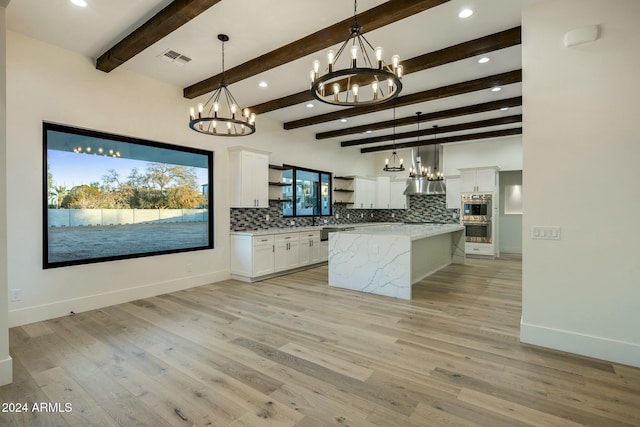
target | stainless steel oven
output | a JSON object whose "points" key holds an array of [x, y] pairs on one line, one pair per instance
{"points": [[476, 207], [477, 231]]}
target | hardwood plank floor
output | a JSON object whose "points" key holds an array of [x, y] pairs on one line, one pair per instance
{"points": [[291, 351]]}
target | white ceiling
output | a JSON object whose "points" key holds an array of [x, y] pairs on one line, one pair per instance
{"points": [[257, 27]]}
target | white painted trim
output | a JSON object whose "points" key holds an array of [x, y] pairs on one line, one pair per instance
{"points": [[77, 305], [6, 371], [587, 345]]}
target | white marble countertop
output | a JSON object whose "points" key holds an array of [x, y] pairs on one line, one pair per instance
{"points": [[413, 231], [283, 230]]}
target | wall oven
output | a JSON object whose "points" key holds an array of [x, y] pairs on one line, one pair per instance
{"points": [[476, 217], [476, 207], [477, 231]]}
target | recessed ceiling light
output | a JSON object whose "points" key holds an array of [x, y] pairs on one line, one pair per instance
{"points": [[309, 105], [369, 131], [496, 89], [484, 60], [343, 120], [465, 13], [504, 108], [263, 84], [80, 3]]}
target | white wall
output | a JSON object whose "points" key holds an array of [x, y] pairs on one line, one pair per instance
{"points": [[581, 147], [47, 83], [506, 153], [6, 372], [509, 226]]}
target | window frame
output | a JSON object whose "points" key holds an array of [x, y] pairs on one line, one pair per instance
{"points": [[294, 210]]}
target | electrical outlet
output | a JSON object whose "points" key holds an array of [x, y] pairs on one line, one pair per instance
{"points": [[361, 215], [348, 216], [393, 215], [371, 214], [325, 221], [16, 295], [338, 216], [292, 222], [267, 217]]}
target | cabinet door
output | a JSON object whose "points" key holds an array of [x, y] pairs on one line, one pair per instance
{"points": [[304, 250], [314, 251], [397, 199], [382, 191], [486, 180], [260, 181], [293, 255], [453, 193], [468, 181], [263, 259], [280, 256]]}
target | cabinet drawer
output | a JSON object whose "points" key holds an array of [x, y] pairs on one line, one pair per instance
{"points": [[286, 237], [262, 240], [310, 235]]}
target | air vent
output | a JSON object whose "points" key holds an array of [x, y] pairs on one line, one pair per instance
{"points": [[174, 57]]}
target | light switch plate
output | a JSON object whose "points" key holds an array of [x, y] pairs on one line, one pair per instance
{"points": [[544, 232]]}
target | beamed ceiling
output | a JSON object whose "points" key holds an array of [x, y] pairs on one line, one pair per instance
{"points": [[276, 41]]}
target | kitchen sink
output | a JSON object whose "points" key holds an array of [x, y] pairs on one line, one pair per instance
{"points": [[324, 233]]}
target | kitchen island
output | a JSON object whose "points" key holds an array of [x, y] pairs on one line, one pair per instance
{"points": [[388, 259]]}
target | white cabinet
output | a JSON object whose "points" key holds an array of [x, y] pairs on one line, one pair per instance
{"points": [[324, 251], [249, 178], [479, 180], [263, 255], [252, 256], [309, 244], [453, 193], [364, 193], [287, 254], [383, 191], [397, 199]]}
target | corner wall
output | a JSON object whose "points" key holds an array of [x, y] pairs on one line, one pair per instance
{"points": [[581, 146], [6, 364]]}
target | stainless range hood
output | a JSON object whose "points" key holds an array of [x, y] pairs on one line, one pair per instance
{"points": [[421, 185]]}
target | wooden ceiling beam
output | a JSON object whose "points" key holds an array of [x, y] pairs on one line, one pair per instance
{"points": [[516, 118], [436, 115], [479, 46], [374, 18], [501, 79], [446, 140], [163, 23]]}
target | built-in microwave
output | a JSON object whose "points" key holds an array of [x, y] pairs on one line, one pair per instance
{"points": [[477, 231], [476, 207]]}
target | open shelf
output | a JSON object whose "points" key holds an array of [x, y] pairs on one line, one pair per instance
{"points": [[344, 178], [280, 184], [280, 200], [343, 190], [343, 203], [279, 168]]}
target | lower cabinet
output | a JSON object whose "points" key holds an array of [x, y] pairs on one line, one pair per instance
{"points": [[309, 247], [259, 256], [287, 253]]}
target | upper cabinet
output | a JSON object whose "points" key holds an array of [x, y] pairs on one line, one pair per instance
{"points": [[453, 193], [479, 180], [383, 191], [397, 199], [364, 193], [249, 178]]}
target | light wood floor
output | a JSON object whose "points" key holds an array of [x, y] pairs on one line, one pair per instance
{"points": [[291, 351]]}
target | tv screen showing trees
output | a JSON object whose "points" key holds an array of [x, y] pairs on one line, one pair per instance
{"points": [[110, 197]]}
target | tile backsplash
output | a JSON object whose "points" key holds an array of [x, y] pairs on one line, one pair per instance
{"points": [[421, 209]]}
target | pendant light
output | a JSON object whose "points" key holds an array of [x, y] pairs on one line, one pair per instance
{"points": [[383, 78], [417, 171], [435, 174], [221, 115], [397, 163]]}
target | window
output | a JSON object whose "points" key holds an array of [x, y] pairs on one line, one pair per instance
{"points": [[310, 192], [109, 197]]}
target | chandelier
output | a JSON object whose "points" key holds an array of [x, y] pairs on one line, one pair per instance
{"points": [[383, 79], [395, 160], [221, 115], [435, 174]]}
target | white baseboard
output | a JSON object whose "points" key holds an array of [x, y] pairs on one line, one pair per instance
{"points": [[587, 345], [55, 309], [6, 371]]}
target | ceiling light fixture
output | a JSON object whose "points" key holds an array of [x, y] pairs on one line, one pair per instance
{"points": [[383, 79], [343, 120], [80, 3], [465, 13], [397, 163], [309, 105], [496, 89], [263, 84], [220, 117], [417, 171], [484, 60]]}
